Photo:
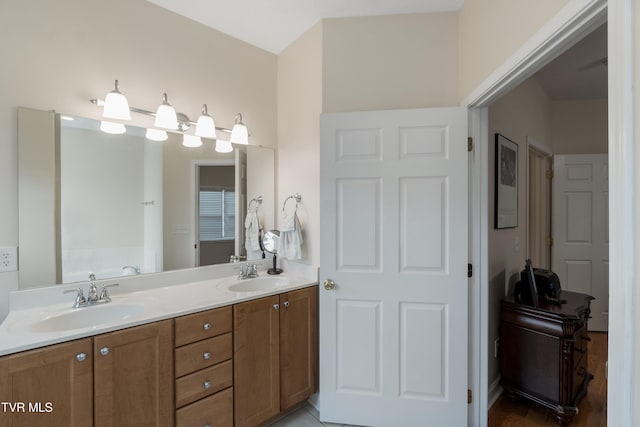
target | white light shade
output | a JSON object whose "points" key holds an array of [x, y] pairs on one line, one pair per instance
{"points": [[116, 106], [191, 141], [223, 146], [205, 127], [239, 133], [113, 128], [166, 117], [156, 135]]}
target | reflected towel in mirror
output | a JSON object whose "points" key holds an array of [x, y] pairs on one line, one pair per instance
{"points": [[252, 230], [290, 236]]}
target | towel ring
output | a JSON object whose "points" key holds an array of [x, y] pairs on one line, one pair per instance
{"points": [[297, 198], [257, 201]]}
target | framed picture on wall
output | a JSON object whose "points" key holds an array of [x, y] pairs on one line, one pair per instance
{"points": [[506, 194]]}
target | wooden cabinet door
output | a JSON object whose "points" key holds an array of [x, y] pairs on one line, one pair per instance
{"points": [[133, 377], [298, 346], [256, 361], [50, 386]]}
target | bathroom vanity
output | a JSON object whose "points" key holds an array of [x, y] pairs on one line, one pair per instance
{"points": [[229, 356]]}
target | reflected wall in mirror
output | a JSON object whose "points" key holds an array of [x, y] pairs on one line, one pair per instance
{"points": [[114, 205]]}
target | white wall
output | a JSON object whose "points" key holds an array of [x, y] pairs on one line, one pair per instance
{"points": [[523, 112], [493, 30], [390, 62], [298, 154], [579, 126], [58, 55]]}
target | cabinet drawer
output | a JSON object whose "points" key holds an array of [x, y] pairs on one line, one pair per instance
{"points": [[214, 411], [202, 354], [199, 326], [203, 383]]}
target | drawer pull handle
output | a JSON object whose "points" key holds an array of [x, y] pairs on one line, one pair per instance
{"points": [[104, 351], [207, 425], [81, 357], [206, 356], [206, 326], [276, 306], [207, 385], [286, 304]]}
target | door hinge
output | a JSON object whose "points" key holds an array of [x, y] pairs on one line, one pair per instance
{"points": [[549, 174], [469, 270], [469, 144], [469, 396]]}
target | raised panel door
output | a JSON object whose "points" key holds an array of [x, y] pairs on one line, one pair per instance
{"points": [[298, 346], [133, 377], [50, 386], [256, 359]]}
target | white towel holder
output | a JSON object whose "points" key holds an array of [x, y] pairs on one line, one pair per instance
{"points": [[297, 197]]}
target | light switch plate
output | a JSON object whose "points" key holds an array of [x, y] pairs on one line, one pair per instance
{"points": [[8, 258]]}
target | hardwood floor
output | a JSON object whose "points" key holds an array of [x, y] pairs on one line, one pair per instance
{"points": [[593, 408]]}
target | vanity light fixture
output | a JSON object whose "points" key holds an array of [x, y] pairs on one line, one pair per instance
{"points": [[191, 141], [112, 128], [205, 127], [116, 105], [156, 134], [166, 117], [117, 109], [223, 146], [239, 133]]}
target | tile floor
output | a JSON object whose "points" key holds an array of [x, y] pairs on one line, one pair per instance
{"points": [[305, 416]]}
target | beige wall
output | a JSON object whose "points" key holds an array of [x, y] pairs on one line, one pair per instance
{"points": [[493, 30], [298, 154], [523, 112], [579, 126], [58, 55], [389, 62]]}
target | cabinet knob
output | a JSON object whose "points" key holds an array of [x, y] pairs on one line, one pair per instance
{"points": [[286, 304], [329, 284], [207, 384], [104, 351], [206, 326], [81, 357], [276, 306], [207, 425], [206, 356]]}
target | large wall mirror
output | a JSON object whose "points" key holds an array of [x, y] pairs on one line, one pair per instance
{"points": [[92, 203]]}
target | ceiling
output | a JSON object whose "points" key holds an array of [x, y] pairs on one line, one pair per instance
{"points": [[274, 24], [579, 73]]}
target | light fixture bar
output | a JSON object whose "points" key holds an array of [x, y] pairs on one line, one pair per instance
{"points": [[100, 102]]}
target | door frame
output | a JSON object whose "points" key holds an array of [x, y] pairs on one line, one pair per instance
{"points": [[574, 21], [194, 207]]}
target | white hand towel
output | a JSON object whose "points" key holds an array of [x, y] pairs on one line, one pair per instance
{"points": [[252, 231], [290, 236]]}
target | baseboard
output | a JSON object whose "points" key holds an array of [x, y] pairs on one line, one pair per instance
{"points": [[495, 390]]}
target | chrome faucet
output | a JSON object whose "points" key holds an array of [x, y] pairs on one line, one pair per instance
{"points": [[93, 298], [248, 271]]}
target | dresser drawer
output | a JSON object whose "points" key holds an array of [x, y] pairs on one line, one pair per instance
{"points": [[203, 383], [199, 326], [201, 354], [214, 411]]}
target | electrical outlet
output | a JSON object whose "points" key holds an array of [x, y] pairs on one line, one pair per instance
{"points": [[496, 347], [8, 258]]}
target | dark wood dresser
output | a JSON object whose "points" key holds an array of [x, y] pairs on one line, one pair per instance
{"points": [[543, 352]]}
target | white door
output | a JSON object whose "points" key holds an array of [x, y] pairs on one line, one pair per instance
{"points": [[393, 330], [581, 229]]}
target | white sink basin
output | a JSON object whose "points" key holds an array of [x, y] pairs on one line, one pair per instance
{"points": [[85, 317], [262, 283]]}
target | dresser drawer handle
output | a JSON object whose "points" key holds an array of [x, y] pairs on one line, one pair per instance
{"points": [[207, 385], [206, 326], [206, 356]]}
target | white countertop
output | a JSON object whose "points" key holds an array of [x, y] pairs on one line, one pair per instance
{"points": [[28, 309]]}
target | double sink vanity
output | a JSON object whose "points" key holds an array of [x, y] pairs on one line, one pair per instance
{"points": [[200, 351]]}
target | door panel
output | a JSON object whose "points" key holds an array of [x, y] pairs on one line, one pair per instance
{"points": [[394, 226], [580, 229]]}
